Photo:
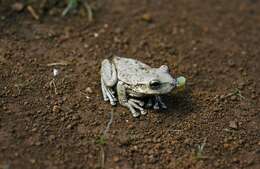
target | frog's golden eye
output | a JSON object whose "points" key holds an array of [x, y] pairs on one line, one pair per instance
{"points": [[155, 84]]}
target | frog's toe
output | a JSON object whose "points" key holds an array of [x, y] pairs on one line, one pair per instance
{"points": [[135, 114], [156, 106], [163, 105], [133, 111], [139, 102], [159, 102], [143, 112], [113, 103]]}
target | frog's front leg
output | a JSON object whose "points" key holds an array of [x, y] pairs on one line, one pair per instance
{"points": [[159, 103], [108, 81], [131, 104]]}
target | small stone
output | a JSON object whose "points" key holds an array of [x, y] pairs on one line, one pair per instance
{"points": [[131, 126], [233, 98], [34, 129], [116, 159], [75, 117], [96, 35], [235, 160], [69, 126], [32, 161], [173, 51], [227, 146], [18, 7], [146, 17], [56, 109], [38, 143], [231, 63], [233, 125], [123, 140], [51, 137], [118, 30], [89, 90], [241, 85]]}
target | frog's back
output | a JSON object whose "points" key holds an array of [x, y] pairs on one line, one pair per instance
{"points": [[131, 71]]}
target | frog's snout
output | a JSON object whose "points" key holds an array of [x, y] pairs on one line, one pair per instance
{"points": [[180, 83]]}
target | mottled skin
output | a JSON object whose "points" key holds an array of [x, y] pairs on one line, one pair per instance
{"points": [[131, 80]]}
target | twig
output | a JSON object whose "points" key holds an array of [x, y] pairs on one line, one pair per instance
{"points": [[85, 94], [89, 10], [52, 83], [102, 157], [108, 124], [60, 63], [200, 150], [102, 143], [236, 92], [33, 13]]}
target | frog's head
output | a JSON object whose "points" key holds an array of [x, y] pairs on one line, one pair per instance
{"points": [[160, 82]]}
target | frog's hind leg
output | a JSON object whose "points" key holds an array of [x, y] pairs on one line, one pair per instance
{"points": [[108, 94], [108, 81], [108, 73]]}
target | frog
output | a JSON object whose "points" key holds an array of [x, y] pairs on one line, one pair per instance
{"points": [[135, 85]]}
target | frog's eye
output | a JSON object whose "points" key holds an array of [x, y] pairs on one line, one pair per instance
{"points": [[164, 68], [155, 84]]}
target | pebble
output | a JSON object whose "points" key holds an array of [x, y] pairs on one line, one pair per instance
{"points": [[116, 159], [123, 140], [34, 129], [231, 63], [233, 125], [32, 161], [89, 90], [51, 137], [69, 126], [38, 143], [56, 109], [227, 146], [96, 35], [146, 17], [233, 98]]}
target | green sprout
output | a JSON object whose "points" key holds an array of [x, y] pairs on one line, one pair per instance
{"points": [[199, 152], [72, 4], [238, 93], [101, 140]]}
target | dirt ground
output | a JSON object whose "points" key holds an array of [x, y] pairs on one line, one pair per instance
{"points": [[213, 124]]}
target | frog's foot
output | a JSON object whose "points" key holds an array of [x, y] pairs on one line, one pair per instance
{"points": [[159, 103], [108, 94], [134, 105], [137, 104]]}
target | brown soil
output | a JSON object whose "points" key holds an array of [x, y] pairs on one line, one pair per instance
{"points": [[215, 44]]}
